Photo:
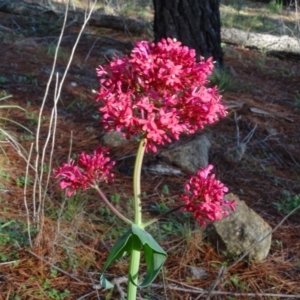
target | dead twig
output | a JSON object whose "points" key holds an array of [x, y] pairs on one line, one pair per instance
{"points": [[201, 292]]}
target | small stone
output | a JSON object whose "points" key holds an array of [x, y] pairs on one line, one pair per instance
{"points": [[116, 139], [111, 53], [235, 154], [271, 131], [196, 273], [241, 230], [191, 156], [163, 169]]}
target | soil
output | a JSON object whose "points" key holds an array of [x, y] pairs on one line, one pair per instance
{"points": [[263, 100]]}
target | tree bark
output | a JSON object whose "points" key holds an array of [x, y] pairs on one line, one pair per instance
{"points": [[196, 23]]}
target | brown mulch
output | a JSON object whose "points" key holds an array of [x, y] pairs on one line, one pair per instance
{"points": [[264, 97]]}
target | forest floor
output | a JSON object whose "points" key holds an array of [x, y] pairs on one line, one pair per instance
{"points": [[66, 254]]}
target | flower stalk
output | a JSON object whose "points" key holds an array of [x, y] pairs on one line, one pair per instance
{"points": [[136, 251], [110, 206], [137, 183]]}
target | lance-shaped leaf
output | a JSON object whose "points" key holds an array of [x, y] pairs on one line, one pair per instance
{"points": [[155, 256], [136, 238], [118, 250]]}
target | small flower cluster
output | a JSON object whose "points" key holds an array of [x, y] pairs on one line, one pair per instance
{"points": [[89, 171], [204, 197], [157, 92]]}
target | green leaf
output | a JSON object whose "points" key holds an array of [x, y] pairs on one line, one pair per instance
{"points": [[105, 283], [136, 237], [118, 250], [155, 256]]}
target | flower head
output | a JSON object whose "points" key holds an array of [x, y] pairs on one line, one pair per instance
{"points": [[158, 92], [89, 171], [204, 197]]}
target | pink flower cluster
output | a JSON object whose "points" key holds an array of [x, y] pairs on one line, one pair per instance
{"points": [[204, 197], [158, 92], [89, 171]]}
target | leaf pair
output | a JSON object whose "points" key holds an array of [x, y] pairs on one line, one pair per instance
{"points": [[135, 239]]}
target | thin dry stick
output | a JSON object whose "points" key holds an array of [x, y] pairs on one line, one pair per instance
{"points": [[236, 119], [54, 113], [194, 290], [117, 282], [87, 295], [11, 262], [164, 281], [51, 133], [14, 143], [93, 283], [247, 139], [213, 286], [25, 197], [290, 155], [90, 51], [36, 181], [70, 148]]}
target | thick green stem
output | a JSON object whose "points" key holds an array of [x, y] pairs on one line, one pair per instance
{"points": [[137, 182], [136, 251], [134, 269]]}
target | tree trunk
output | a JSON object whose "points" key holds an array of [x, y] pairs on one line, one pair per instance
{"points": [[196, 23]]}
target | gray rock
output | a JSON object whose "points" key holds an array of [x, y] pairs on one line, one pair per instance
{"points": [[241, 230], [114, 139], [196, 273], [111, 53], [191, 156], [235, 154], [163, 169]]}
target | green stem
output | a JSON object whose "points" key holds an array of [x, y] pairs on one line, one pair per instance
{"points": [[137, 182], [136, 251], [110, 206]]}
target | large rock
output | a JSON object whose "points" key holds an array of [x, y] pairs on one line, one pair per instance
{"points": [[191, 156], [236, 234]]}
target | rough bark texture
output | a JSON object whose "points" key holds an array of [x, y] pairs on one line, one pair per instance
{"points": [[196, 23]]}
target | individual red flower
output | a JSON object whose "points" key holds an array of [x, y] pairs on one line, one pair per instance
{"points": [[158, 92], [89, 171], [204, 197]]}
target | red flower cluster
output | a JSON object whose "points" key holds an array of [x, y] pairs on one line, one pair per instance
{"points": [[204, 197], [157, 92], [89, 171]]}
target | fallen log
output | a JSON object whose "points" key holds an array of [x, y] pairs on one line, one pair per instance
{"points": [[271, 44], [23, 8]]}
